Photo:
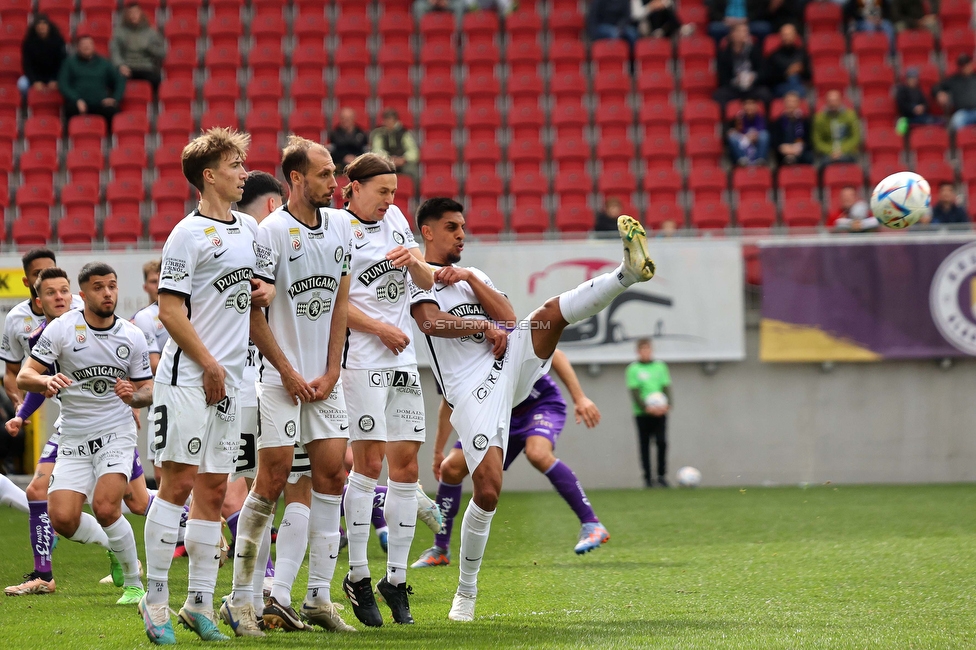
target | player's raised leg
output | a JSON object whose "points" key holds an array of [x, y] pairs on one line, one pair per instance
{"points": [[593, 296]]}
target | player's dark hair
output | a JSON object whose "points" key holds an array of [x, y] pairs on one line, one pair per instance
{"points": [[294, 157], [206, 152], [642, 342], [434, 209], [47, 274], [37, 254], [94, 268], [152, 266], [259, 184], [365, 167]]}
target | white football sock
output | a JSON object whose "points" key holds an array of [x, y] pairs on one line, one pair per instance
{"points": [[474, 537], [161, 531], [401, 516], [289, 550], [12, 496], [251, 523], [260, 565], [593, 296], [89, 532], [202, 543], [324, 543], [359, 508], [123, 543]]}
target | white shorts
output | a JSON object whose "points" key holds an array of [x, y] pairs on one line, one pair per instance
{"points": [[385, 405], [483, 413], [189, 431], [282, 423], [246, 464], [301, 465], [84, 460]]}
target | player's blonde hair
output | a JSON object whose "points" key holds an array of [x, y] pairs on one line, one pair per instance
{"points": [[294, 157], [152, 266], [206, 152], [364, 167]]}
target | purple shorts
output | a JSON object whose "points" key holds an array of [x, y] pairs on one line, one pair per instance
{"points": [[50, 454], [545, 421]]}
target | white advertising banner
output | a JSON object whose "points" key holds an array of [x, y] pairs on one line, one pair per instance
{"points": [[692, 309]]}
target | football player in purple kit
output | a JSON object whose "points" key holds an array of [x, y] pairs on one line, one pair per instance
{"points": [[535, 428]]}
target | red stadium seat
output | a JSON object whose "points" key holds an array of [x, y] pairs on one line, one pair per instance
{"points": [[222, 57], [618, 181], [124, 196], [223, 31], [828, 76], [610, 55], [929, 142], [756, 213], [129, 129], [523, 24], [802, 213], [307, 123], [390, 28], [652, 53], [955, 14], [883, 169], [703, 148], [43, 132], [85, 165], [182, 30], [566, 22], [797, 182], [481, 219], [567, 56], [529, 216], [310, 29], [481, 85], [875, 77], [659, 212], [660, 149], [707, 182], [438, 184], [524, 56], [869, 47], [710, 215], [696, 46], [698, 84], [828, 46], [614, 148], [39, 163], [79, 198], [936, 172], [915, 46], [174, 127], [77, 227], [659, 113], [122, 228], [138, 95], [220, 117], [752, 183], [823, 16], [956, 41], [436, 25], [176, 94], [570, 148], [572, 182], [33, 229], [839, 176], [127, 163], [163, 221], [181, 60], [44, 102], [574, 217]]}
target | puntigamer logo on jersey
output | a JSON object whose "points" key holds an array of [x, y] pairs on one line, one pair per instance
{"points": [[241, 300], [316, 305], [98, 379]]}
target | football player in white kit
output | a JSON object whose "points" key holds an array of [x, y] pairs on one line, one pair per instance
{"points": [[486, 362], [304, 249], [381, 383], [206, 288], [102, 372]]}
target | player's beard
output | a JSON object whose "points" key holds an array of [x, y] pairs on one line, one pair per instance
{"points": [[320, 203], [98, 311], [453, 258]]}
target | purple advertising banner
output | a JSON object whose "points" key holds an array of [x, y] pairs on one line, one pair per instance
{"points": [[905, 299]]}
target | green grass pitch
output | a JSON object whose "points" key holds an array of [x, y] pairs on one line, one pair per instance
{"points": [[825, 567]]}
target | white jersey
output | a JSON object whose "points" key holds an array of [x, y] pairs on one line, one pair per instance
{"points": [[377, 288], [210, 264], [93, 359], [21, 321], [456, 362], [305, 264], [147, 320]]}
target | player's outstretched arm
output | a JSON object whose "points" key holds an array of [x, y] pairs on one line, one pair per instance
{"points": [[10, 373], [586, 411], [433, 322], [444, 429], [420, 271], [265, 342], [496, 304], [395, 340], [173, 317], [32, 378]]}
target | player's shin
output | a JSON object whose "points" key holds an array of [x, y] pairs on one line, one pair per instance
{"points": [[41, 536], [475, 526], [89, 532], [358, 507], [203, 550], [261, 565], [122, 542], [250, 528], [401, 515], [161, 531], [324, 546], [290, 550], [449, 501], [569, 488], [591, 297]]}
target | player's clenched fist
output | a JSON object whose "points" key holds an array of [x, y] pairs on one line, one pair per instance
{"points": [[449, 275], [401, 257], [55, 383], [499, 341], [393, 338]]}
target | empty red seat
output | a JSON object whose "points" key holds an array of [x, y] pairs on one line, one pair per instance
{"points": [[566, 22], [883, 169], [574, 217], [661, 212], [568, 86], [955, 14], [823, 16], [483, 219], [483, 150], [703, 148], [756, 213], [572, 182], [797, 182], [570, 148], [130, 129], [37, 165], [617, 181], [127, 163], [77, 227], [802, 213], [869, 47], [437, 24], [915, 46], [79, 198], [528, 182], [929, 142], [830, 76], [182, 30], [828, 47], [122, 228], [181, 60], [610, 55], [707, 182], [33, 229], [176, 94], [660, 149], [137, 96], [483, 184], [936, 172], [529, 216], [698, 84], [163, 221], [752, 183], [696, 46], [652, 53], [710, 215], [124, 196], [956, 41], [524, 24], [614, 148], [308, 123], [439, 183], [84, 165], [219, 117], [43, 132], [567, 56], [222, 57]]}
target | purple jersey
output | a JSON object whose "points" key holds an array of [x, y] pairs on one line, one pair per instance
{"points": [[545, 393]]}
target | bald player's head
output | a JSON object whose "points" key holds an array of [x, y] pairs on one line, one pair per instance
{"points": [[263, 194]]}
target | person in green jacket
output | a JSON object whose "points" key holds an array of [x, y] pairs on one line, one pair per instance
{"points": [[836, 131], [649, 383], [137, 47], [89, 83]]}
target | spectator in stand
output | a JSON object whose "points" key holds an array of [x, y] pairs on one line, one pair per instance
{"points": [[347, 140], [747, 135], [723, 15], [870, 16], [836, 131], [396, 142], [739, 64], [42, 53], [606, 218], [422, 7], [947, 209], [611, 19], [90, 83], [788, 66], [912, 105], [957, 94], [655, 18], [853, 214], [780, 12], [790, 133], [912, 14], [137, 47]]}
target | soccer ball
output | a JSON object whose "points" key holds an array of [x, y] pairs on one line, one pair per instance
{"points": [[901, 199], [689, 477], [656, 399]]}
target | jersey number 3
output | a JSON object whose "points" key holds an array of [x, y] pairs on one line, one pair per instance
{"points": [[161, 424]]}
